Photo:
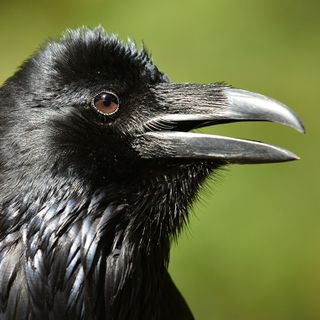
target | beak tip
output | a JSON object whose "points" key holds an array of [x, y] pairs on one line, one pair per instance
{"points": [[297, 125], [302, 129], [290, 156], [296, 157], [293, 159], [248, 105]]}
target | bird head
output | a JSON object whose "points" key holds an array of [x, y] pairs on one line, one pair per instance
{"points": [[98, 165], [92, 106]]}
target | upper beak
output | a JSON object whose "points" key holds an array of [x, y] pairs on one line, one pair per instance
{"points": [[188, 106]]}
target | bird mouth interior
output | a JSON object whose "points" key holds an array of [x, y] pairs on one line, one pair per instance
{"points": [[188, 125], [183, 125]]}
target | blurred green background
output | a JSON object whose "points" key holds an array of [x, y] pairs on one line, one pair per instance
{"points": [[252, 249]]}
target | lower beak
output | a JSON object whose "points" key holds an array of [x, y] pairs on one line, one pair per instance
{"points": [[190, 106]]}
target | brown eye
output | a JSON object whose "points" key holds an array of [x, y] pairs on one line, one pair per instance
{"points": [[106, 103]]}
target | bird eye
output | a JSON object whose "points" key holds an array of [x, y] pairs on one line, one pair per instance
{"points": [[106, 103]]}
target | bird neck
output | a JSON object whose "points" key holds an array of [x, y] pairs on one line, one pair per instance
{"points": [[110, 243]]}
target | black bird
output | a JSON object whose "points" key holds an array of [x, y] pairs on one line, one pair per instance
{"points": [[97, 171]]}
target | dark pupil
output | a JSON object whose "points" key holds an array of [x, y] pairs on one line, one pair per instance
{"points": [[107, 99]]}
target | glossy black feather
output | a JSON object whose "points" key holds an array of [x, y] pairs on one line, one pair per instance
{"points": [[85, 224]]}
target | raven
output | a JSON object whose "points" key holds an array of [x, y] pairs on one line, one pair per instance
{"points": [[98, 168]]}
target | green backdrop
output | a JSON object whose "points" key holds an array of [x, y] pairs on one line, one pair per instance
{"points": [[252, 249]]}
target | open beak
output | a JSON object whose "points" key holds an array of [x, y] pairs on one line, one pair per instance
{"points": [[183, 107]]}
